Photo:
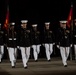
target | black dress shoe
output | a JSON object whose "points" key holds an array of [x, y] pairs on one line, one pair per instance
{"points": [[25, 67], [65, 65], [13, 66], [49, 60], [36, 60]]}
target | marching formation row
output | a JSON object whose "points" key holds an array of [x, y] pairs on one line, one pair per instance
{"points": [[24, 39]]}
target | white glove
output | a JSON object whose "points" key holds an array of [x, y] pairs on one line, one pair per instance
{"points": [[7, 47], [43, 44], [57, 46], [18, 47], [71, 45], [53, 43]]}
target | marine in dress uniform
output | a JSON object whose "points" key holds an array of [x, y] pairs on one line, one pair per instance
{"points": [[64, 41], [74, 37], [48, 40], [12, 44], [25, 43], [35, 41], [1, 44]]}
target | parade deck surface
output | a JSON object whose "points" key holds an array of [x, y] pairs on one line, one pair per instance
{"points": [[42, 67]]}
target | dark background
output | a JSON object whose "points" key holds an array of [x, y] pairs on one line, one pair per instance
{"points": [[37, 11]]}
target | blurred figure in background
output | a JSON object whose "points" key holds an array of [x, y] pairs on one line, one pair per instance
{"points": [[35, 41]]}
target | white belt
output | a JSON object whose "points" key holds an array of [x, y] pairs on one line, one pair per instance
{"points": [[12, 39]]}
